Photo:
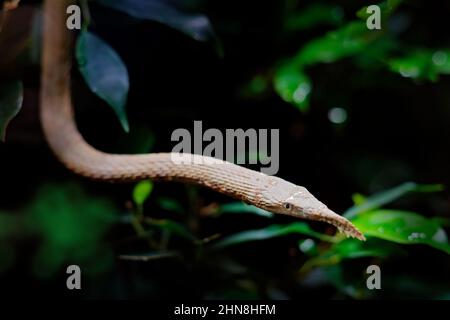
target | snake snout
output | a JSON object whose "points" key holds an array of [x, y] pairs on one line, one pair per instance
{"points": [[340, 222]]}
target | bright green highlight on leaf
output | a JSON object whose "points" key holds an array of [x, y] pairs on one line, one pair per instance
{"points": [[422, 64], [293, 85], [402, 227], [354, 38], [104, 72], [353, 248], [11, 97], [142, 191], [344, 42]]}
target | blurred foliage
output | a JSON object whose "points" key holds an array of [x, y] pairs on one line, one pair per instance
{"points": [[315, 15], [64, 224], [363, 204], [70, 227], [355, 40], [385, 229]]}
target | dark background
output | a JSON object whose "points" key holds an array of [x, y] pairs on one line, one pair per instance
{"points": [[397, 130]]}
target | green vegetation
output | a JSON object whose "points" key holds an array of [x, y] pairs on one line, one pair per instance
{"points": [[182, 241]]}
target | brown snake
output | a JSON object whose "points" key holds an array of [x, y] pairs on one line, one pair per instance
{"points": [[267, 192]]}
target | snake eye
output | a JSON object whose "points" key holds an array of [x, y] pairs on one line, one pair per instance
{"points": [[287, 206]]}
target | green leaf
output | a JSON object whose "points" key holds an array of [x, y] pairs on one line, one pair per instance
{"points": [[142, 191], [241, 207], [290, 80], [387, 9], [344, 42], [422, 64], [293, 85], [403, 227], [272, 231], [11, 97], [417, 65], [195, 25], [170, 205], [314, 15], [380, 199], [353, 248], [358, 199], [104, 72]]}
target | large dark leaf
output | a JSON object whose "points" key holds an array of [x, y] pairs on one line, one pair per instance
{"points": [[104, 72], [270, 232], [11, 96], [195, 25]]}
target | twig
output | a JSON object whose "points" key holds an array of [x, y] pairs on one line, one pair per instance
{"points": [[150, 257]]}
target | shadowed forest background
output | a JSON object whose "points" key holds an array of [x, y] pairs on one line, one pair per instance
{"points": [[364, 119]]}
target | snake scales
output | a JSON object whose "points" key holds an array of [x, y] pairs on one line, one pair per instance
{"points": [[267, 192]]}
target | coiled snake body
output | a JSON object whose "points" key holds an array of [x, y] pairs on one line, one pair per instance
{"points": [[266, 192]]}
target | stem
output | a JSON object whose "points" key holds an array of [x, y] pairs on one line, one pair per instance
{"points": [[87, 18], [136, 221]]}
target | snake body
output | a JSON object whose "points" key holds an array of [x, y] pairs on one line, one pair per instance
{"points": [[57, 116]]}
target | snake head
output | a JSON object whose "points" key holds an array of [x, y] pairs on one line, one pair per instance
{"points": [[289, 199]]}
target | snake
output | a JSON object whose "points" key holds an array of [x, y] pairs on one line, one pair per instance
{"points": [[57, 116]]}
